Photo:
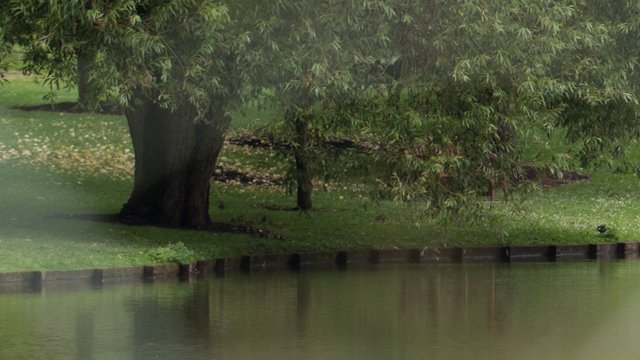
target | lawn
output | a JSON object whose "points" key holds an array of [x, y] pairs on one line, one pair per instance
{"points": [[59, 170]]}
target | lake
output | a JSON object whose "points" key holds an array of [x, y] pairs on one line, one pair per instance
{"points": [[579, 310]]}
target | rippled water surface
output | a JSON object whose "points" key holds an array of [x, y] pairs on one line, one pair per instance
{"points": [[584, 310]]}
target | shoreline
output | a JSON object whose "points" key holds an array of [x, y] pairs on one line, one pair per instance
{"points": [[34, 281]]}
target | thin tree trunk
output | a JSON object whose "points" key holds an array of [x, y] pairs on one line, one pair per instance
{"points": [[174, 160], [302, 160], [491, 189], [86, 94]]}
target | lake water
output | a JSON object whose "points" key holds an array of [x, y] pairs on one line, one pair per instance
{"points": [[584, 310]]}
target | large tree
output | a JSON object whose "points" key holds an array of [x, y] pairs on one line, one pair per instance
{"points": [[176, 67]]}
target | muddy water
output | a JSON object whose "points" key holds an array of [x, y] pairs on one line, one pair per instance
{"points": [[585, 310]]}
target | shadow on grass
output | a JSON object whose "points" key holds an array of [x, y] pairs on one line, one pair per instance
{"points": [[216, 227], [275, 207], [72, 107]]}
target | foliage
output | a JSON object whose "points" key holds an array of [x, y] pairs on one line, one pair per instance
{"points": [[317, 53], [603, 122], [177, 51], [312, 55], [173, 253], [448, 91], [5, 48], [468, 81]]}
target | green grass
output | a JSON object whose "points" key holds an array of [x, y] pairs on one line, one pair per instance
{"points": [[56, 168]]}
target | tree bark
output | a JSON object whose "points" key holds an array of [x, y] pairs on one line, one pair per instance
{"points": [[302, 160], [84, 62], [174, 160]]}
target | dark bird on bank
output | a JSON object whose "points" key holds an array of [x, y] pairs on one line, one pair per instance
{"points": [[601, 228]]}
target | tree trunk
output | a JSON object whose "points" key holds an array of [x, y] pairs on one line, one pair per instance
{"points": [[491, 189], [86, 94], [301, 154], [174, 160]]}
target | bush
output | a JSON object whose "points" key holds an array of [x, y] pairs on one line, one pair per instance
{"points": [[173, 253]]}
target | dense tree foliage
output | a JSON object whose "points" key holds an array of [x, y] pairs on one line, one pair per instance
{"points": [[5, 42], [449, 91], [473, 80], [603, 120]]}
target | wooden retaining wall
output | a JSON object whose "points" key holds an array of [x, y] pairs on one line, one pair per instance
{"points": [[37, 280]]}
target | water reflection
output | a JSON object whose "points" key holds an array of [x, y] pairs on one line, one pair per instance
{"points": [[519, 311]]}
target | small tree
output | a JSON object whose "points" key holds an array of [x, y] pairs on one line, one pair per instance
{"points": [[5, 40], [60, 39], [317, 54]]}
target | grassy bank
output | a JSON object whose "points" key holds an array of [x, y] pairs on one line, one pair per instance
{"points": [[58, 170]]}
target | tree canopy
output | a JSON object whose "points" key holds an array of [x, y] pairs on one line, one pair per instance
{"points": [[473, 79], [449, 90]]}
